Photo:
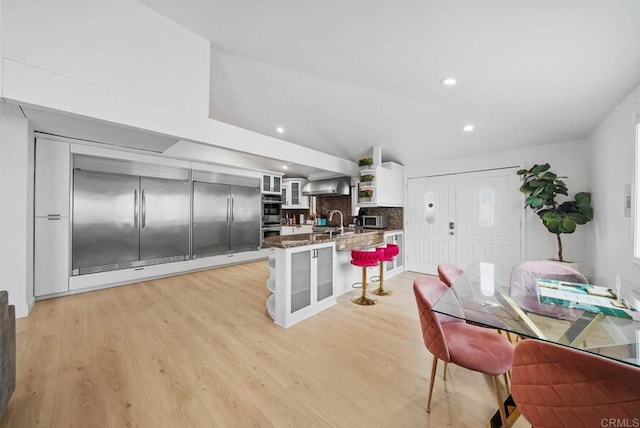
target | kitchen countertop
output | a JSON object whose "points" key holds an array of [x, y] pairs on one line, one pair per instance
{"points": [[352, 239]]}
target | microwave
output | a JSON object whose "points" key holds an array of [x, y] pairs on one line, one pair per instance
{"points": [[374, 221]]}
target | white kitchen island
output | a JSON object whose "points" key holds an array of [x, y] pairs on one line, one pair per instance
{"points": [[310, 270]]}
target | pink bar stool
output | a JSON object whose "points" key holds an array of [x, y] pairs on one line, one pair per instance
{"points": [[387, 254], [364, 259]]}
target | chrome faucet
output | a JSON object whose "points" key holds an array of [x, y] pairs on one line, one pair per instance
{"points": [[341, 219]]}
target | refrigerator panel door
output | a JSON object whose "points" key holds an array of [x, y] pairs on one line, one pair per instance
{"points": [[246, 218], [104, 228], [211, 218], [164, 218]]}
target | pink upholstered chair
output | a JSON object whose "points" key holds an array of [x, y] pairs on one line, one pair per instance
{"points": [[524, 290], [448, 273], [557, 386], [454, 341]]}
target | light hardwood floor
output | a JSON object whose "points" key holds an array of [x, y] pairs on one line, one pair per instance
{"points": [[199, 350]]}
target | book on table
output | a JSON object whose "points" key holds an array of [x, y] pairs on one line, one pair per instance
{"points": [[588, 297]]}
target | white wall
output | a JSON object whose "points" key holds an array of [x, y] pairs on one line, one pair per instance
{"points": [[120, 45], [16, 216], [612, 166], [566, 159]]}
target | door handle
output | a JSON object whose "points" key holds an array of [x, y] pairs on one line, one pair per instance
{"points": [[144, 210], [135, 208], [228, 208]]}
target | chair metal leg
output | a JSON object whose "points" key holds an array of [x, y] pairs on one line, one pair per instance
{"points": [[434, 366], [503, 414], [506, 381], [446, 366]]}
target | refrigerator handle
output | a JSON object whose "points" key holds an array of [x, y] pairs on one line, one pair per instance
{"points": [[228, 208], [144, 210], [135, 208], [231, 210]]}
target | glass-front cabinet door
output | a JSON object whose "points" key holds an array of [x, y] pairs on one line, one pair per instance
{"points": [[295, 193], [300, 280], [277, 184], [324, 273], [397, 239]]}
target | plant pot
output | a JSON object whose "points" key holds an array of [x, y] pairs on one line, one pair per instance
{"points": [[365, 167], [365, 200], [366, 184]]}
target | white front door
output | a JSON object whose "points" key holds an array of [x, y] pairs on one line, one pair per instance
{"points": [[431, 209], [463, 219]]}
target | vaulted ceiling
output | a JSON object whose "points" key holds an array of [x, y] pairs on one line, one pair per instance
{"points": [[343, 76]]}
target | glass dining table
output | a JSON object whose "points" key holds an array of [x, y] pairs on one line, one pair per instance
{"points": [[593, 318]]}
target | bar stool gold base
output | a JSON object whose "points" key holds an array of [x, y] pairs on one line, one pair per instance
{"points": [[380, 291], [364, 301]]}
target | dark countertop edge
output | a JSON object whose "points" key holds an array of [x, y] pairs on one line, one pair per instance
{"points": [[306, 239]]}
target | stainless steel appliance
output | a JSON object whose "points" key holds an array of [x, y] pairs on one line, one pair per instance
{"points": [[271, 209], [339, 186], [226, 214], [127, 214], [270, 230], [374, 221]]}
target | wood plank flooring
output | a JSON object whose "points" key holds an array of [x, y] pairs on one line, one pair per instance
{"points": [[199, 350]]}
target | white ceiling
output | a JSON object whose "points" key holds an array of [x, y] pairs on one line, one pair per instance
{"points": [[341, 77]]}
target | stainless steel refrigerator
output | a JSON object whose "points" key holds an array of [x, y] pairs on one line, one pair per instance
{"points": [[226, 214], [128, 214]]}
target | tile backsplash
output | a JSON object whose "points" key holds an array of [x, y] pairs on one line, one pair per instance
{"points": [[395, 219], [325, 204]]}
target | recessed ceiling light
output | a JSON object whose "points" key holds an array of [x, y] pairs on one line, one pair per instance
{"points": [[449, 81], [285, 167], [280, 130], [468, 128]]}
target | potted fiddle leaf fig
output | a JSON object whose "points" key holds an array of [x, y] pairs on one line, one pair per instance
{"points": [[541, 188]]}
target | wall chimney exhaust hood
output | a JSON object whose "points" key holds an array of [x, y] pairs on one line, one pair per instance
{"points": [[330, 187]]}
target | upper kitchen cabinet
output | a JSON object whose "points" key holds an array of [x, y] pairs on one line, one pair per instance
{"points": [[271, 184], [292, 197], [381, 186], [52, 178]]}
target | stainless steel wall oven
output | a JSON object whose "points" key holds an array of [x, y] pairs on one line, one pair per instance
{"points": [[271, 209]]}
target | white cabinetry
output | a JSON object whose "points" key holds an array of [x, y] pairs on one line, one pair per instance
{"points": [[271, 286], [305, 278], [51, 256], [271, 184], [384, 186], [51, 230], [292, 197], [397, 265], [52, 180]]}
